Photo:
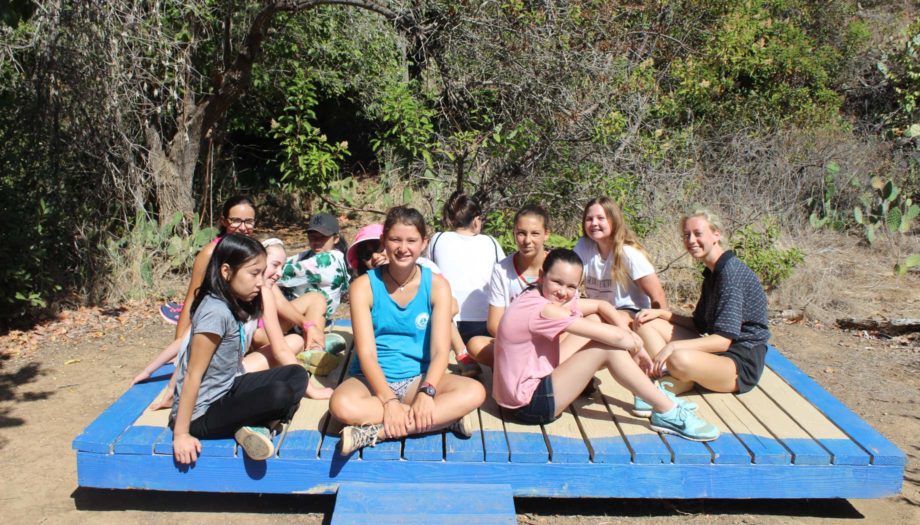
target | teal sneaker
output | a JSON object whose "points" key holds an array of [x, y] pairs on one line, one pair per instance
{"points": [[684, 423], [335, 343], [641, 408], [256, 442]]}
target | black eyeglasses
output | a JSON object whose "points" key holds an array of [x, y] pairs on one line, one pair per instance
{"points": [[236, 222]]}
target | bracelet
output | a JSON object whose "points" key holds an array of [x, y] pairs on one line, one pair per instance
{"points": [[388, 400], [308, 325]]}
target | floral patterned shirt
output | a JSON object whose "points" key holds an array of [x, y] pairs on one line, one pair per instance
{"points": [[324, 272]]}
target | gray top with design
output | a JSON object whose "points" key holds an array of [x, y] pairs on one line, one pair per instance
{"points": [[732, 303]]}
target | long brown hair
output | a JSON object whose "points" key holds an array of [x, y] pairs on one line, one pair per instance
{"points": [[621, 234]]}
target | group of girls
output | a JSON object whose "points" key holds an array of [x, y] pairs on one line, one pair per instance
{"points": [[522, 315]]}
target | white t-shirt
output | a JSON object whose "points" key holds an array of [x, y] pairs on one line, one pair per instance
{"points": [[466, 262], [505, 285], [600, 285]]}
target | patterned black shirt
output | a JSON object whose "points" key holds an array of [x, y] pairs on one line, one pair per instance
{"points": [[732, 303]]}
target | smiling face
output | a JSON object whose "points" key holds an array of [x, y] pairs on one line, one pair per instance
{"points": [[701, 241], [246, 282], [530, 234], [560, 283], [274, 262], [403, 244], [240, 219], [596, 224]]}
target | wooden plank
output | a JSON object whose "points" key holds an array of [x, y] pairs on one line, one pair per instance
{"points": [[632, 480], [805, 451], [459, 449], [101, 434], [154, 418], [224, 448], [883, 452], [727, 448], [526, 443], [384, 451], [646, 444], [402, 503], [763, 446], [138, 439], [566, 442], [428, 447], [303, 434], [603, 435], [843, 450]]}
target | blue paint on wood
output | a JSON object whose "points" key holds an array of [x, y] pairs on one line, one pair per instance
{"points": [[461, 449], [216, 474], [343, 323], [686, 451], [527, 447], [727, 449], [766, 449], [610, 450], [301, 444], [806, 451], [845, 452], [138, 439], [329, 448], [648, 449], [404, 503], [101, 434], [567, 449], [496, 446], [383, 451], [429, 447], [883, 452], [221, 448]]}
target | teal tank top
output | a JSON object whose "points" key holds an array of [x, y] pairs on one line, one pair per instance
{"points": [[402, 334]]}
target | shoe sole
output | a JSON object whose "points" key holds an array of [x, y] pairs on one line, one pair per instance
{"points": [[166, 312], [466, 423], [641, 413], [254, 444], [664, 430]]}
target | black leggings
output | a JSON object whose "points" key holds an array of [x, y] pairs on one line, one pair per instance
{"points": [[254, 399]]}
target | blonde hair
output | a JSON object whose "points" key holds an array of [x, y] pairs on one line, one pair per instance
{"points": [[715, 222], [621, 234], [272, 241]]}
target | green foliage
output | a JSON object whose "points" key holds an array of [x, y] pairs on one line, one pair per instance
{"points": [[147, 252], [902, 72], [309, 161], [911, 261], [824, 211], [408, 122], [757, 247], [885, 209]]}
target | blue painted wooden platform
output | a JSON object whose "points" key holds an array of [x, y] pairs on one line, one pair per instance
{"points": [[788, 438]]}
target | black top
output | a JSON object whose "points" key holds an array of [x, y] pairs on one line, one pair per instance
{"points": [[732, 303]]}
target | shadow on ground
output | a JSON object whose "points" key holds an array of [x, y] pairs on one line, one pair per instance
{"points": [[120, 500], [9, 385]]}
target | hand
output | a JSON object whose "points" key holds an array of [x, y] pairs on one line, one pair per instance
{"points": [[140, 377], [186, 448], [643, 360], [647, 314], [165, 402], [423, 412], [315, 338], [396, 419], [661, 360], [377, 259]]}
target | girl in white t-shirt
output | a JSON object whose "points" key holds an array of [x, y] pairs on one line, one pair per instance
{"points": [[617, 268], [514, 274], [466, 257]]}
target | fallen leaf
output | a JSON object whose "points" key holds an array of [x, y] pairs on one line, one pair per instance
{"points": [[71, 361]]}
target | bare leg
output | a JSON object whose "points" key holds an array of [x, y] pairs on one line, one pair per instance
{"points": [[482, 349], [714, 372]]}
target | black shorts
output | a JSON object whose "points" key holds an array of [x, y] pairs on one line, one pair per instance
{"points": [[471, 329], [749, 362], [542, 406]]}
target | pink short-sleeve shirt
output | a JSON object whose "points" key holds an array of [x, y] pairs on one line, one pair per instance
{"points": [[526, 348]]}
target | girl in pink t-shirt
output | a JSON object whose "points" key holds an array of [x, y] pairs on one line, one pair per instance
{"points": [[547, 351]]}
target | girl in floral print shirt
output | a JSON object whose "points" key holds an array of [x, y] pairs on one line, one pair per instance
{"points": [[320, 269]]}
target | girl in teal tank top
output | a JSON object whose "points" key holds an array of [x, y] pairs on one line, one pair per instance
{"points": [[401, 317]]}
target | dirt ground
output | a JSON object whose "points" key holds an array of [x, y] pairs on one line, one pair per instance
{"points": [[55, 379]]}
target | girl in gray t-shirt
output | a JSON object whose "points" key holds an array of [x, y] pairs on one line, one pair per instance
{"points": [[214, 397]]}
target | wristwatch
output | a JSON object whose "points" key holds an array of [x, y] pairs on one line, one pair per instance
{"points": [[427, 388]]}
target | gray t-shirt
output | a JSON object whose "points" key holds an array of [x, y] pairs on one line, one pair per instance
{"points": [[214, 317]]}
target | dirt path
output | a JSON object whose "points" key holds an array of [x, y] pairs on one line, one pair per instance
{"points": [[52, 387]]}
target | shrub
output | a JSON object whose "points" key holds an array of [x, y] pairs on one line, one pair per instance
{"points": [[757, 248]]}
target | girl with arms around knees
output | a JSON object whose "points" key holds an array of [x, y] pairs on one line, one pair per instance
{"points": [[400, 315], [466, 258], [320, 269], [214, 396], [514, 274], [547, 352], [617, 268], [723, 345]]}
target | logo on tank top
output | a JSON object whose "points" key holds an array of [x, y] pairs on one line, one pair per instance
{"points": [[421, 321]]}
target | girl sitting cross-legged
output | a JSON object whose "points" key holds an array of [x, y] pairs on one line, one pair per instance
{"points": [[400, 315], [214, 396], [546, 352]]}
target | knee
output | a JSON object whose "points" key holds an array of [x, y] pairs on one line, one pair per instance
{"points": [[680, 362], [593, 317], [343, 408], [475, 394]]}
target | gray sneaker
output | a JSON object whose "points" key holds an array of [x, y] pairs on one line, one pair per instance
{"points": [[463, 427], [256, 442], [358, 436], [684, 423]]}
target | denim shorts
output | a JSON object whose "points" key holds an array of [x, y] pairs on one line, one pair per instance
{"points": [[542, 406], [400, 387]]}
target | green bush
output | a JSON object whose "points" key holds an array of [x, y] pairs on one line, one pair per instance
{"points": [[757, 248]]}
